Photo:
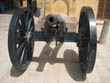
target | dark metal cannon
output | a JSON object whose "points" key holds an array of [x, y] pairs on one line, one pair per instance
{"points": [[54, 27], [53, 19], [22, 35]]}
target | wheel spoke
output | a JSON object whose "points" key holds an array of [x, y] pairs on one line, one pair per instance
{"points": [[20, 49], [29, 25], [27, 19], [20, 27], [32, 29], [23, 57]]}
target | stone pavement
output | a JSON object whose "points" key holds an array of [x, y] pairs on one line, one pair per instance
{"points": [[52, 64]]}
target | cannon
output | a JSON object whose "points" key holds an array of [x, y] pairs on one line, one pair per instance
{"points": [[22, 35], [54, 28]]}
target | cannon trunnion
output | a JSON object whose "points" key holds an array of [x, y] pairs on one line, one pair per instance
{"points": [[22, 36]]}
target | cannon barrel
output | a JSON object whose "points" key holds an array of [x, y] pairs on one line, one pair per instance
{"points": [[53, 19]]}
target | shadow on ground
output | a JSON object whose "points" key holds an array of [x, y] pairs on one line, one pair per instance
{"points": [[70, 59]]}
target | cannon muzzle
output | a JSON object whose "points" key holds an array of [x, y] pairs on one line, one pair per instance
{"points": [[52, 19]]}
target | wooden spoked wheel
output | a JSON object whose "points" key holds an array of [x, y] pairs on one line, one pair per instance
{"points": [[20, 35], [87, 43]]}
